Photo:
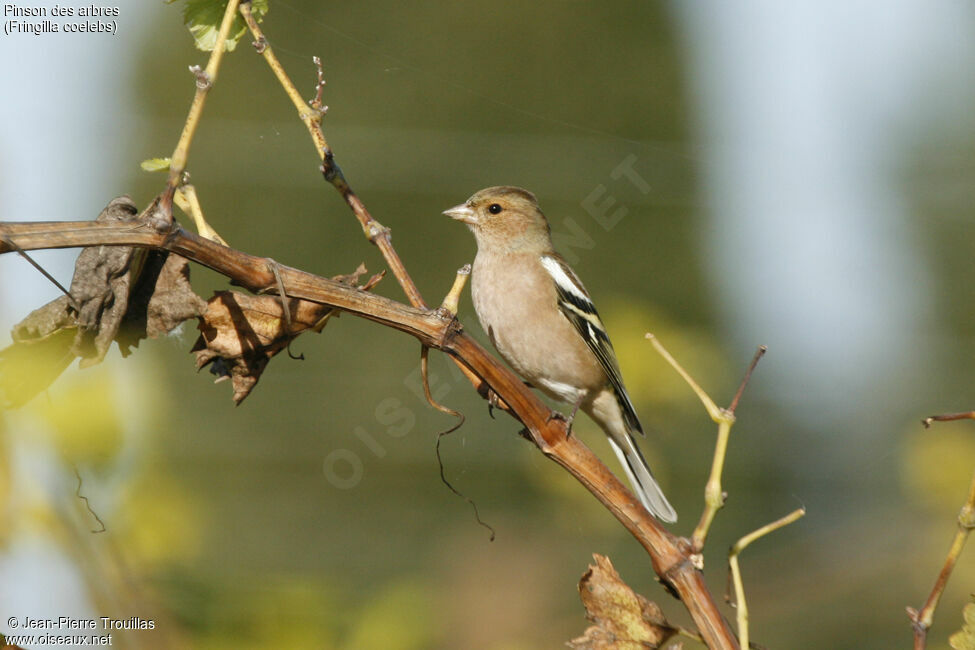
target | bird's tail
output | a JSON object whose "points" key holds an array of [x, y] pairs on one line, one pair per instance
{"points": [[645, 486]]}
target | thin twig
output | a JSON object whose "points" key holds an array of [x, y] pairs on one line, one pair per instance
{"points": [[188, 201], [690, 634], [762, 349], [204, 81], [714, 495], [921, 620], [741, 545], [452, 299], [53, 280], [716, 412], [316, 103], [309, 116], [374, 231], [424, 354], [948, 417], [79, 495]]}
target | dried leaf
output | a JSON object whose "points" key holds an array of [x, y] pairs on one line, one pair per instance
{"points": [[49, 339], [105, 300], [624, 619], [163, 298], [352, 279], [43, 321], [243, 332], [239, 333], [101, 285], [103, 307], [964, 639]]}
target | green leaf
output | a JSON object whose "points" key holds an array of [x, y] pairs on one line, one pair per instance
{"points": [[964, 639], [203, 18], [155, 164]]}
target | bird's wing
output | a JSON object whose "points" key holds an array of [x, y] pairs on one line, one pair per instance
{"points": [[578, 308]]}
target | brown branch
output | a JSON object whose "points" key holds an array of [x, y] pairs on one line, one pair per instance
{"points": [[437, 329], [375, 232]]}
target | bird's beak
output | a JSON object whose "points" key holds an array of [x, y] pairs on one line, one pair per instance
{"points": [[462, 212]]}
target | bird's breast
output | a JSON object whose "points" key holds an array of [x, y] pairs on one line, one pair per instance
{"points": [[516, 303]]}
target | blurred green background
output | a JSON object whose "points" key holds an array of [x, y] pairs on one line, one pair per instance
{"points": [[313, 514]]}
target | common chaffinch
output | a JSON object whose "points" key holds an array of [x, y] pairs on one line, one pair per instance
{"points": [[540, 319]]}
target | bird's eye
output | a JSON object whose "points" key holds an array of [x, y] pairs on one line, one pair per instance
{"points": [[494, 208]]}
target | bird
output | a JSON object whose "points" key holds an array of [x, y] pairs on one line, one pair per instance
{"points": [[540, 318]]}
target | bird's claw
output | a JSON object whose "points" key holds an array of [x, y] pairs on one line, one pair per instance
{"points": [[493, 400], [555, 415]]}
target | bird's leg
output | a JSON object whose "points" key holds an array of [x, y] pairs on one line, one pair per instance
{"points": [[572, 416]]}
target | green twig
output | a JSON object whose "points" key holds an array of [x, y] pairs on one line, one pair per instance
{"points": [[921, 620], [204, 81], [715, 411], [714, 496], [311, 115], [735, 571], [188, 201]]}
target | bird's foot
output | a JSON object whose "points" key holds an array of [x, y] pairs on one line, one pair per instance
{"points": [[493, 400], [555, 415]]}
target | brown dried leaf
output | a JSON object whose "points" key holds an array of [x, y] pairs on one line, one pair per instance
{"points": [[49, 339], [103, 307], [624, 619], [352, 279], [43, 321], [163, 298], [125, 294], [101, 285], [239, 333]]}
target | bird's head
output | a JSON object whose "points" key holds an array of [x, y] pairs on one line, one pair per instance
{"points": [[505, 219]]}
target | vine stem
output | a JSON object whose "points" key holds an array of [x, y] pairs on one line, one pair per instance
{"points": [[204, 81], [735, 570]]}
